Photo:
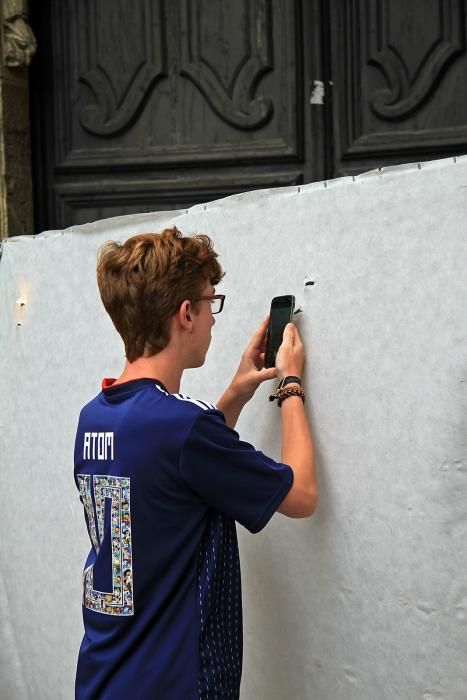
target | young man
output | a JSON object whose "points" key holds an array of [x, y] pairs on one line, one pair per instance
{"points": [[163, 477]]}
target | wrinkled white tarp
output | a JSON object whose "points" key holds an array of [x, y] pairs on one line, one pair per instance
{"points": [[367, 600]]}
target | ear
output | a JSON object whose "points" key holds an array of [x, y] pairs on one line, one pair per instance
{"points": [[185, 314]]}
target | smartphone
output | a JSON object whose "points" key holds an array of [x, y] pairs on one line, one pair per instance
{"points": [[281, 314]]}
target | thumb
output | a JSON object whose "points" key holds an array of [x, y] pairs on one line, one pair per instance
{"points": [[289, 334], [270, 373]]}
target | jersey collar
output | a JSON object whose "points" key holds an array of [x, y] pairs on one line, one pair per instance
{"points": [[110, 388]]}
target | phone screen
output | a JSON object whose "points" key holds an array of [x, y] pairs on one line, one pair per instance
{"points": [[282, 309]]}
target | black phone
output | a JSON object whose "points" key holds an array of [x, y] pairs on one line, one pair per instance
{"points": [[281, 314]]}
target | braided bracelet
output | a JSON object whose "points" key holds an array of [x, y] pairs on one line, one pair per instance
{"points": [[282, 394]]}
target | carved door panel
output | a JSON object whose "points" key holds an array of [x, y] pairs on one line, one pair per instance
{"points": [[399, 70], [152, 104], [158, 104]]}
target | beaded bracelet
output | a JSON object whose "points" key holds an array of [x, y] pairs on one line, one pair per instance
{"points": [[282, 394]]}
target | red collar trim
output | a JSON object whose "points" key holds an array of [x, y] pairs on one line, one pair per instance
{"points": [[109, 382]]}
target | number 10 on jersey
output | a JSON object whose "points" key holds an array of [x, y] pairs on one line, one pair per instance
{"points": [[118, 601]]}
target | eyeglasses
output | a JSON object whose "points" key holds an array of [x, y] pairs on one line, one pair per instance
{"points": [[217, 302]]}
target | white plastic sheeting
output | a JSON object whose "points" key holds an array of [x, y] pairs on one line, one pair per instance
{"points": [[367, 600]]}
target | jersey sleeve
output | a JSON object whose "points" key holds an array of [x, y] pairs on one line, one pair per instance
{"points": [[231, 475]]}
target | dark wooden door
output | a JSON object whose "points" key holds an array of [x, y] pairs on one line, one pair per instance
{"points": [[399, 70], [148, 105], [158, 104]]}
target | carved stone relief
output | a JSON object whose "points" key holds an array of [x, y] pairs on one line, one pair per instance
{"points": [[19, 42], [18, 46]]}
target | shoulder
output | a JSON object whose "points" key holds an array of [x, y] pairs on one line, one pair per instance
{"points": [[186, 419], [200, 404], [188, 407]]}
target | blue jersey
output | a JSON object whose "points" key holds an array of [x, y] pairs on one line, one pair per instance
{"points": [[163, 479]]}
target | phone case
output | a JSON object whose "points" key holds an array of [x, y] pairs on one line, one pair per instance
{"points": [[281, 313]]}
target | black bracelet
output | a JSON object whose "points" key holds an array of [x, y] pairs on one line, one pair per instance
{"points": [[289, 380]]}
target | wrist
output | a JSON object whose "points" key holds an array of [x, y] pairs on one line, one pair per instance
{"points": [[236, 394], [288, 386], [231, 405], [289, 380]]}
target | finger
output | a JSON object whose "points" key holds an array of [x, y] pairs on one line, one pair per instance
{"points": [[260, 361], [259, 338]]}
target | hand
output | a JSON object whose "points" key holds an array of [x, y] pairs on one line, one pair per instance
{"points": [[290, 357], [251, 371]]}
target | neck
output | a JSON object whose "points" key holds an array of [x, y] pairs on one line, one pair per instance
{"points": [[160, 367]]}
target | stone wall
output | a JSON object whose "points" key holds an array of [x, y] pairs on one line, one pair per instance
{"points": [[17, 46]]}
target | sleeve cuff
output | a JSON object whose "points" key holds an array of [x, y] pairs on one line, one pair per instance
{"points": [[273, 504]]}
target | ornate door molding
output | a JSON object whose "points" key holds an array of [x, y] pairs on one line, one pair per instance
{"points": [[237, 103], [408, 89], [118, 102]]}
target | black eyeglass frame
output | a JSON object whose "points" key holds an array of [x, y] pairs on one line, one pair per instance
{"points": [[214, 296]]}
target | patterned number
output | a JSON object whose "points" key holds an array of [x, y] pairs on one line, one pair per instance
{"points": [[117, 490]]}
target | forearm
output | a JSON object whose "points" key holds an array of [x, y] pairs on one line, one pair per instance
{"points": [[231, 404], [297, 444]]}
